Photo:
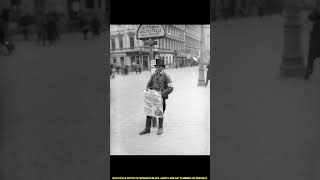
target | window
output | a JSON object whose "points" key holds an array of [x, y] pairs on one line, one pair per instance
{"points": [[131, 42], [169, 29], [90, 4], [99, 4], [113, 44], [114, 60], [120, 42], [132, 60]]}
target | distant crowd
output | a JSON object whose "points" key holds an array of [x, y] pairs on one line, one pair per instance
{"points": [[254, 8], [43, 27]]}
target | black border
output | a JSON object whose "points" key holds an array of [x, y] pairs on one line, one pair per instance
{"points": [[162, 12], [159, 12]]}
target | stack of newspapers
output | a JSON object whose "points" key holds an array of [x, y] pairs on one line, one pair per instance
{"points": [[153, 103]]}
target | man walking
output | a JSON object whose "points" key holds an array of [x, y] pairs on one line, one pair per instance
{"points": [[162, 83]]}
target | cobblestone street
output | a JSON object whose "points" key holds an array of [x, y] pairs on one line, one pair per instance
{"points": [[186, 119]]}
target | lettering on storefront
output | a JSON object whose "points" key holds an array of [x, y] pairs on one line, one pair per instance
{"points": [[150, 31]]}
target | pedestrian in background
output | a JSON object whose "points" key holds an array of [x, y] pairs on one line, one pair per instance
{"points": [[85, 26], [162, 83], [24, 23], [314, 42], [95, 26], [51, 28], [41, 26], [2, 31], [55, 17]]}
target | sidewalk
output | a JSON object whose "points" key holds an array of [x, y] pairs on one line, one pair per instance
{"points": [[265, 127], [186, 121]]}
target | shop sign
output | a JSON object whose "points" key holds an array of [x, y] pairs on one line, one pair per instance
{"points": [[150, 31]]}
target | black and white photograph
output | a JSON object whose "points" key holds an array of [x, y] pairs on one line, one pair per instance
{"points": [[160, 89]]}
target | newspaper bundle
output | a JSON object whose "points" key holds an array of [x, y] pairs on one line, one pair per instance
{"points": [[153, 103]]}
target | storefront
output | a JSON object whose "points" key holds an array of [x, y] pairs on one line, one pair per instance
{"points": [[180, 59]]}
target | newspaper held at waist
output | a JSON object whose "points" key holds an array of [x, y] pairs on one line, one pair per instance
{"points": [[153, 103]]}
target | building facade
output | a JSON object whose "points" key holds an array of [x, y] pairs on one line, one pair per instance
{"points": [[192, 42], [126, 49], [206, 53]]}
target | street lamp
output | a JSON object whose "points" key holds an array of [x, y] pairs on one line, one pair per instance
{"points": [[201, 80]]}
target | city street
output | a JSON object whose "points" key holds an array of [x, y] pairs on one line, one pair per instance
{"points": [[53, 107], [186, 120], [265, 127]]}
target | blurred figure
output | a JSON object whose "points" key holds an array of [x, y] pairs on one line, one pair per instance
{"points": [[314, 42], [10, 47], [55, 17], [261, 9], [24, 23], [95, 25], [2, 31], [4, 23], [41, 26], [208, 74], [85, 26], [51, 29]]}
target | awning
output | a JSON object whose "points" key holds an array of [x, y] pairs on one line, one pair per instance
{"points": [[195, 59]]}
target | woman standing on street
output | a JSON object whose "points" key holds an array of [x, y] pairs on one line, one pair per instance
{"points": [[314, 42]]}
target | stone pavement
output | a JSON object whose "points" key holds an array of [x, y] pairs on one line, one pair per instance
{"points": [[186, 121], [265, 127]]}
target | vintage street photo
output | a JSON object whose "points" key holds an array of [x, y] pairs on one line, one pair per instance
{"points": [[160, 89]]}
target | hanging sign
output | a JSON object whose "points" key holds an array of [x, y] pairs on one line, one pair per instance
{"points": [[150, 31]]}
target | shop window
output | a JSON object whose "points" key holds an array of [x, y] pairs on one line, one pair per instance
{"points": [[132, 60]]}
